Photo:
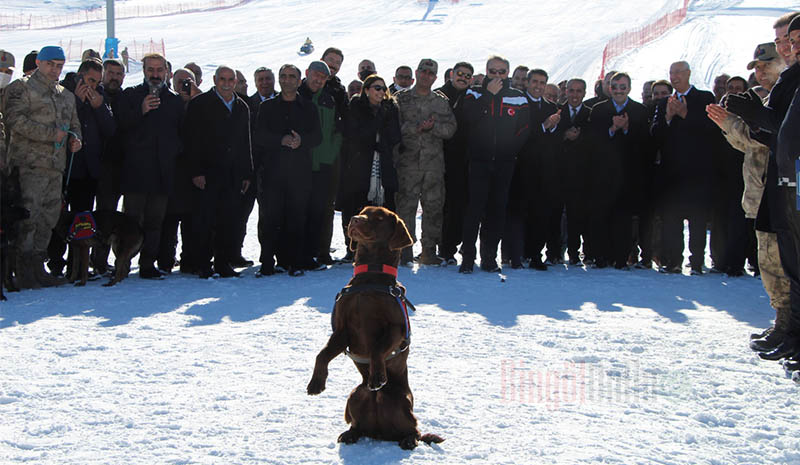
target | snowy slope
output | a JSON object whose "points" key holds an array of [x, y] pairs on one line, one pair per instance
{"points": [[571, 366]]}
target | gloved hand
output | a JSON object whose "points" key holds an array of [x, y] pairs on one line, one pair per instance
{"points": [[749, 107]]}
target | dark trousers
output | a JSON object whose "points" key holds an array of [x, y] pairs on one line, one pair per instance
{"points": [[242, 208], [149, 211], [611, 225], [168, 244], [788, 232], [326, 235], [543, 227], [214, 222], [318, 206], [283, 213], [577, 222], [455, 205], [672, 235], [489, 183]]}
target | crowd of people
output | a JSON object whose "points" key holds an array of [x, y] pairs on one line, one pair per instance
{"points": [[541, 173]]}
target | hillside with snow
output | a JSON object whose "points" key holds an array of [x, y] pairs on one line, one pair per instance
{"points": [[569, 366]]}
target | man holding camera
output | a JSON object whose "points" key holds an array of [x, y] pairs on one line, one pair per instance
{"points": [[151, 116]]}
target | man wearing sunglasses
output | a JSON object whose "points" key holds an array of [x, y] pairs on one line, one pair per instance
{"points": [[496, 118], [620, 131], [425, 121], [455, 166]]}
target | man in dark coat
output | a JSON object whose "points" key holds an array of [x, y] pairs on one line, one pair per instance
{"points": [[455, 166], [685, 136], [220, 166], [151, 116], [619, 130], [286, 131], [497, 121], [574, 154]]}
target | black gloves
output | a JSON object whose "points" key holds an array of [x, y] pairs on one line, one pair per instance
{"points": [[749, 107]]}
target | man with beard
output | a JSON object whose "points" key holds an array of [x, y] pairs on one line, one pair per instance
{"points": [[220, 166], [287, 130], [519, 77], [620, 132], [365, 69], [151, 115], [83, 167], [455, 166], [647, 94], [43, 124]]}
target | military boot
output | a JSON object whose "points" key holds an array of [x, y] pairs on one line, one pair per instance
{"points": [[429, 257], [45, 279], [774, 336]]}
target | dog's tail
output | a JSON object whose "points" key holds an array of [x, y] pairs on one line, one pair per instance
{"points": [[431, 438]]}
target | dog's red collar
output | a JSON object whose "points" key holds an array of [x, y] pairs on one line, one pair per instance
{"points": [[374, 268]]}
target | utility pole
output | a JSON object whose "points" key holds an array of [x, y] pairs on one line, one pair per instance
{"points": [[112, 43]]}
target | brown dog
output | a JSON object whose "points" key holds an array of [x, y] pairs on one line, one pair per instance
{"points": [[369, 318], [112, 229]]}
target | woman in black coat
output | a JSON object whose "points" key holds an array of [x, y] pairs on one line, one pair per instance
{"points": [[372, 126]]}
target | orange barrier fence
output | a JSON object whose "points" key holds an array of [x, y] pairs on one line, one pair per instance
{"points": [[136, 49], [637, 37], [12, 21]]}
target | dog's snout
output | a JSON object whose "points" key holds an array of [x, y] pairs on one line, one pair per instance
{"points": [[358, 219]]}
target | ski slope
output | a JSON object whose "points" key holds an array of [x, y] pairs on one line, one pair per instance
{"points": [[570, 366]]}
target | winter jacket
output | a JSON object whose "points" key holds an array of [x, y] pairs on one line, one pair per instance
{"points": [[152, 140], [35, 109], [364, 123], [218, 140], [97, 126], [423, 151], [789, 136], [278, 118], [498, 125], [330, 125], [686, 150]]}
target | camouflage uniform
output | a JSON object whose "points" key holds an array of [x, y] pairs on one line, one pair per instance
{"points": [[420, 161], [754, 171], [35, 109]]}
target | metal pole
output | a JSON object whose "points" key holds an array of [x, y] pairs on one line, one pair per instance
{"points": [[110, 18]]}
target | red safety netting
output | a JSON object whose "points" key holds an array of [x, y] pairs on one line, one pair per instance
{"points": [[637, 37], [136, 49], [10, 21]]}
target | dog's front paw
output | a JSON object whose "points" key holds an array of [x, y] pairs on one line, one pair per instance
{"points": [[376, 381], [349, 437], [409, 442], [315, 386]]}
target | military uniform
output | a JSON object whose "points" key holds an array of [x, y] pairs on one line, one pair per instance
{"points": [[36, 108], [419, 161]]}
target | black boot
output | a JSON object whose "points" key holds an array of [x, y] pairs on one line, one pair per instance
{"points": [[772, 339]]}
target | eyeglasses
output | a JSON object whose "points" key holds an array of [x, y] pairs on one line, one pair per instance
{"points": [[378, 88], [619, 86], [463, 74], [497, 71]]}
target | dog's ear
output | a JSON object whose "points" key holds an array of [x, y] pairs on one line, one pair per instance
{"points": [[400, 238]]}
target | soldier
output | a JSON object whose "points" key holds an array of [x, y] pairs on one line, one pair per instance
{"points": [[43, 123], [425, 121]]}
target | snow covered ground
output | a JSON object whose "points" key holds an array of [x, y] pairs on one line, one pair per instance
{"points": [[570, 366]]}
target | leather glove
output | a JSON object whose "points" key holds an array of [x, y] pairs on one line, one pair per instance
{"points": [[749, 107]]}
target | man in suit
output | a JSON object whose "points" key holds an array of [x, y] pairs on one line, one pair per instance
{"points": [[685, 137], [619, 128], [574, 159], [534, 213]]}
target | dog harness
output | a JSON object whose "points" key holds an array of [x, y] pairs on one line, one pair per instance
{"points": [[83, 227], [397, 292]]}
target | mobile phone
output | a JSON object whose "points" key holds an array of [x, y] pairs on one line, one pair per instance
{"points": [[79, 79], [154, 91], [187, 86]]}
